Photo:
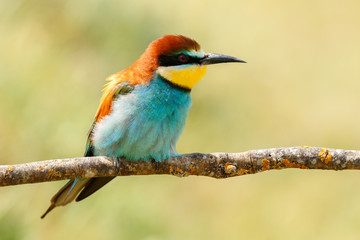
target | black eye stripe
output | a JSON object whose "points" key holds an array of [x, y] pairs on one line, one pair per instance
{"points": [[174, 60]]}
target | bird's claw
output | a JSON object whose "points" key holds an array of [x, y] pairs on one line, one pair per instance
{"points": [[177, 155], [117, 164]]}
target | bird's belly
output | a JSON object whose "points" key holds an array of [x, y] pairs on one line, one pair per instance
{"points": [[140, 129]]}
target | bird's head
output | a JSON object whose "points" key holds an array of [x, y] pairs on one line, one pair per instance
{"points": [[178, 59], [181, 60]]}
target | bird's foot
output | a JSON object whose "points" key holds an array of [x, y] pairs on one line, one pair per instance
{"points": [[176, 155], [117, 164], [155, 163]]}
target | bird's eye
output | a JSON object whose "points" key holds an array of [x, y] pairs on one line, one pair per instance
{"points": [[183, 58]]}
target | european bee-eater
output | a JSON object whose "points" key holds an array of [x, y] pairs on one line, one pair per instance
{"points": [[143, 109]]}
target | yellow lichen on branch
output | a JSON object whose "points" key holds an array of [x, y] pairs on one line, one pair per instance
{"points": [[265, 164], [325, 155]]}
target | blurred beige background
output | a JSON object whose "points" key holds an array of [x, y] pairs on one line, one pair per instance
{"points": [[300, 87]]}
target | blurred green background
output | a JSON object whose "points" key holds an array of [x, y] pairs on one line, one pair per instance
{"points": [[300, 87]]}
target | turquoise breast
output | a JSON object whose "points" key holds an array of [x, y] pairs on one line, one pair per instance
{"points": [[144, 124]]}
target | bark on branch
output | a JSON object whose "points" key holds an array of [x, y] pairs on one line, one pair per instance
{"points": [[217, 165]]}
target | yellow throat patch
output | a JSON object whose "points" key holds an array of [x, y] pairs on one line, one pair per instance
{"points": [[182, 76]]}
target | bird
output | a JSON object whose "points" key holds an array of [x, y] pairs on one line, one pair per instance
{"points": [[143, 109]]}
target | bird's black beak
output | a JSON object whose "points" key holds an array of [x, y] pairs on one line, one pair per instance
{"points": [[213, 58]]}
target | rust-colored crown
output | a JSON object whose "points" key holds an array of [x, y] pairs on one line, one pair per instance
{"points": [[169, 44]]}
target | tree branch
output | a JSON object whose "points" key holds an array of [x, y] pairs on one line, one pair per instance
{"points": [[217, 165]]}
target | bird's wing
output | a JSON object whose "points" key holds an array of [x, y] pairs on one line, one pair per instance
{"points": [[89, 151], [111, 92], [113, 89], [88, 186], [120, 89]]}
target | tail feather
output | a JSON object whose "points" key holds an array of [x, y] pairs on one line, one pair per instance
{"points": [[66, 194], [72, 188], [93, 185]]}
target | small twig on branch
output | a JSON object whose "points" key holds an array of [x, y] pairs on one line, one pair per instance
{"points": [[217, 165]]}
